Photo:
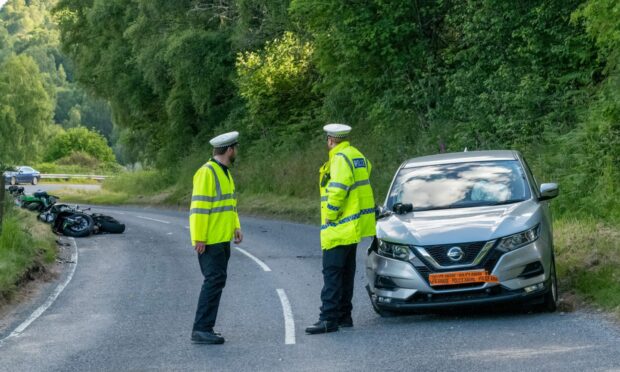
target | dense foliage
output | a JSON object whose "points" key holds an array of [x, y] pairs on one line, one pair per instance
{"points": [[412, 77], [38, 88], [25, 109], [78, 141]]}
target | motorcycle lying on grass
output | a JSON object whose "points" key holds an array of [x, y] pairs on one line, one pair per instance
{"points": [[65, 219]]}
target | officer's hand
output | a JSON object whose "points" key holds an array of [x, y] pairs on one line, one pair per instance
{"points": [[238, 236], [200, 247]]}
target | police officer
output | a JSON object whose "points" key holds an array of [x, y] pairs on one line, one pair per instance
{"points": [[347, 216], [213, 223]]}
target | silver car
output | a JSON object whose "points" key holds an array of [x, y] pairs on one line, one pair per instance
{"points": [[461, 229]]}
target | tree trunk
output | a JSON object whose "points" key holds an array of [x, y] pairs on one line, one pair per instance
{"points": [[2, 192]]}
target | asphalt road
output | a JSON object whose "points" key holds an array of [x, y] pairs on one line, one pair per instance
{"points": [[131, 302]]}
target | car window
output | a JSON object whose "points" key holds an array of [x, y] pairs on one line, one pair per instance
{"points": [[27, 170], [460, 185]]}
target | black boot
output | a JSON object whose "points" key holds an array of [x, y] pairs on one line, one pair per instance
{"points": [[199, 337], [345, 322], [322, 326]]}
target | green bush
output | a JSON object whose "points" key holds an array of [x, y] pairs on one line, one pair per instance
{"points": [[82, 140]]}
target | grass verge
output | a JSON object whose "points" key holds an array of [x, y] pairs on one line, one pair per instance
{"points": [[72, 181], [26, 246], [588, 260]]}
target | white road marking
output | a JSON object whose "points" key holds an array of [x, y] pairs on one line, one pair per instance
{"points": [[289, 322], [259, 262], [153, 219], [187, 227], [50, 300]]}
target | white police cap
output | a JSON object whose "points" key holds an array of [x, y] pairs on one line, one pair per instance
{"points": [[337, 130], [225, 140]]}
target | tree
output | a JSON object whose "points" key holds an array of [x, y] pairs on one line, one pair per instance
{"points": [[25, 108], [79, 139], [276, 83]]}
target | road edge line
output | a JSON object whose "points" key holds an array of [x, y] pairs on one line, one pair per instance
{"points": [[50, 300], [289, 321], [255, 259]]}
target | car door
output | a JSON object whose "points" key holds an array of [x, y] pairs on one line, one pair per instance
{"points": [[19, 174], [26, 174]]}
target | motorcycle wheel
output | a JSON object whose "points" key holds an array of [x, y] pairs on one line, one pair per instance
{"points": [[109, 224], [82, 228]]}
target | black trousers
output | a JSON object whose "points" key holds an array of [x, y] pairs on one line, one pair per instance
{"points": [[213, 264], [338, 280]]}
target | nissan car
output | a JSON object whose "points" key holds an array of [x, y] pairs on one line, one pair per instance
{"points": [[463, 229]]}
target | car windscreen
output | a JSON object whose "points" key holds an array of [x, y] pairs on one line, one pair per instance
{"points": [[460, 185]]}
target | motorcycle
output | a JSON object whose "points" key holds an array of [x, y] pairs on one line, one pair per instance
{"points": [[71, 222], [76, 222], [37, 202]]}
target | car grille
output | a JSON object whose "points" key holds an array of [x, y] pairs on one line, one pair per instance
{"points": [[440, 253], [488, 263]]}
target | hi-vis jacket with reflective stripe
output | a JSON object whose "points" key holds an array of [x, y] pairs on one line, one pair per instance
{"points": [[346, 197], [213, 213]]}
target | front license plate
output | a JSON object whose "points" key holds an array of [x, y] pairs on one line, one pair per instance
{"points": [[462, 277]]}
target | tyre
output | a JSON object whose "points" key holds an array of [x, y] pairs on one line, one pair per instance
{"points": [[78, 225], [110, 225], [13, 181], [550, 299], [35, 180]]}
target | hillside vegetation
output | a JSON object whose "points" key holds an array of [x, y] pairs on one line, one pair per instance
{"points": [[411, 77]]}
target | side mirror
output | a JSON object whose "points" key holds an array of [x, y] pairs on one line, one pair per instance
{"points": [[548, 191], [381, 212], [400, 208]]}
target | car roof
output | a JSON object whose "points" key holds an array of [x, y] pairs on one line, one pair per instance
{"points": [[461, 157]]}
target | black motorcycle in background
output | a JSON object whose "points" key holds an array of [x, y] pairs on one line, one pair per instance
{"points": [[65, 219]]}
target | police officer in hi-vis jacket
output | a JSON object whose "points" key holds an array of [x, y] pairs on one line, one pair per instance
{"points": [[213, 223], [347, 216]]}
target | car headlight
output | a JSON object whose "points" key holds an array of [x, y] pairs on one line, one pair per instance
{"points": [[515, 241], [396, 251]]}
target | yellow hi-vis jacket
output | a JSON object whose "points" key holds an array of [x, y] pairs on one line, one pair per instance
{"points": [[213, 213], [346, 197]]}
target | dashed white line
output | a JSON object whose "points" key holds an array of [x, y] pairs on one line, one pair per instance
{"points": [[259, 262], [50, 300], [153, 219], [289, 322]]}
